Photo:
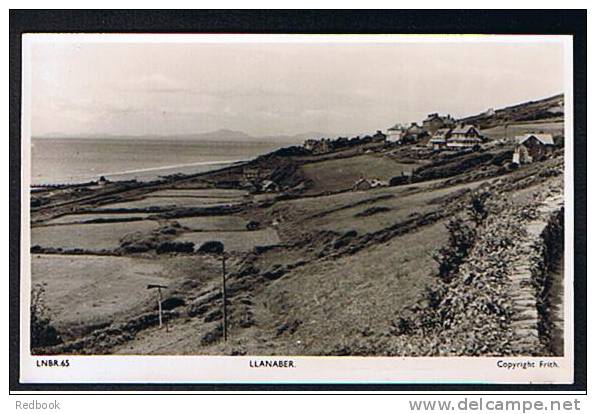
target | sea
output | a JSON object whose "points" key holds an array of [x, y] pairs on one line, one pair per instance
{"points": [[73, 160]]}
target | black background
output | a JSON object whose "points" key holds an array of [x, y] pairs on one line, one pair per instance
{"points": [[571, 22]]}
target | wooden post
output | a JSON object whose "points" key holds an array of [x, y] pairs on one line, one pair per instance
{"points": [[159, 305], [225, 298], [159, 300]]}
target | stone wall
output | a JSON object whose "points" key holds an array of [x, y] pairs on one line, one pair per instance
{"points": [[536, 311]]}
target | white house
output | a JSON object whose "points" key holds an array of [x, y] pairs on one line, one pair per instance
{"points": [[395, 133]]}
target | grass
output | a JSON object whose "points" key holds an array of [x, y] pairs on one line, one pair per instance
{"points": [[341, 174], [336, 300], [208, 193], [213, 223], [87, 236], [513, 130], [171, 202], [83, 290], [306, 214]]}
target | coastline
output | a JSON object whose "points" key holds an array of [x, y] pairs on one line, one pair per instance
{"points": [[64, 162], [145, 174]]}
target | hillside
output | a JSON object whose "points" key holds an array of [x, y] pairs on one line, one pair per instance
{"points": [[427, 263], [543, 110]]}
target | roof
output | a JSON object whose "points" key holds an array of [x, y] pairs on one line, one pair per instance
{"points": [[441, 132], [396, 127], [414, 128], [546, 139], [464, 129]]}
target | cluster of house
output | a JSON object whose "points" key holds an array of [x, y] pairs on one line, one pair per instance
{"points": [[444, 133], [440, 132]]}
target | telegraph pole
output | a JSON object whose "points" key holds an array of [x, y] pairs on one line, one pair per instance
{"points": [[225, 298]]}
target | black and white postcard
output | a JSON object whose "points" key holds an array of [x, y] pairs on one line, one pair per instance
{"points": [[297, 209]]}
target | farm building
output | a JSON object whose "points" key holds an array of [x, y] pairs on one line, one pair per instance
{"points": [[439, 139], [364, 184], [532, 147], [464, 137], [434, 122]]}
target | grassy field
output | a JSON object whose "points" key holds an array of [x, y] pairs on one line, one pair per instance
{"points": [[338, 212], [87, 236], [332, 303], [399, 208], [512, 130], [341, 174], [171, 202], [240, 241], [346, 298], [206, 193], [83, 290], [223, 223]]}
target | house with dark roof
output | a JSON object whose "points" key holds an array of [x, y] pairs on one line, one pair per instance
{"points": [[464, 137], [434, 122]]}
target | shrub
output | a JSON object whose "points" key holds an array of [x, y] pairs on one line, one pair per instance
{"points": [[399, 180], [477, 208], [461, 239], [175, 247], [371, 211], [139, 247], [253, 225], [42, 332], [214, 247]]}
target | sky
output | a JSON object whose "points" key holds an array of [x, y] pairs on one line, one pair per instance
{"points": [[273, 89]]}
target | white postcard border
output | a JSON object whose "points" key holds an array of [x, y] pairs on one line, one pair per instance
{"points": [[310, 370]]}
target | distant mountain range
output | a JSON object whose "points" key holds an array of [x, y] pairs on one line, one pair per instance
{"points": [[219, 135]]}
